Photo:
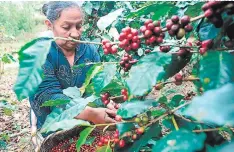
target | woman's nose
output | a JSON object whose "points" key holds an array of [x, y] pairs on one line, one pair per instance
{"points": [[75, 34]]}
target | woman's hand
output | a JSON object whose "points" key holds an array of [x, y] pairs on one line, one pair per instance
{"points": [[102, 115], [97, 115], [112, 105]]}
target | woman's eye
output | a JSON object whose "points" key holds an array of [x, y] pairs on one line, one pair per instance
{"points": [[66, 27], [79, 26]]}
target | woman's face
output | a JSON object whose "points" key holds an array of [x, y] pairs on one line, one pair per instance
{"points": [[69, 24]]}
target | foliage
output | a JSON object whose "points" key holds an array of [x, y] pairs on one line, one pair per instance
{"points": [[15, 19], [181, 113]]}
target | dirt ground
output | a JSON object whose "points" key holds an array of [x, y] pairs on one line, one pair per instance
{"points": [[14, 119]]}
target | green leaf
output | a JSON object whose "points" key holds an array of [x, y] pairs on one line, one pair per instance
{"points": [[162, 99], [7, 111], [90, 141], [218, 103], [124, 127], [88, 7], [208, 31], [7, 58], [167, 122], [66, 125], [132, 108], [31, 58], [105, 21], [106, 148], [176, 100], [73, 108], [83, 135], [226, 147], [177, 63], [157, 112], [103, 78], [194, 10], [90, 74], [72, 92], [3, 145], [144, 75], [180, 141], [216, 69], [114, 87], [54, 102], [157, 8], [153, 131]]}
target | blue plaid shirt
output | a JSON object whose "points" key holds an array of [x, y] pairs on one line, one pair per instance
{"points": [[58, 75]]}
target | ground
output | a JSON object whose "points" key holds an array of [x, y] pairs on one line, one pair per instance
{"points": [[14, 117], [15, 122]]}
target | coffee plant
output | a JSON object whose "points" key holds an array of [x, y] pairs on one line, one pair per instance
{"points": [[154, 44]]}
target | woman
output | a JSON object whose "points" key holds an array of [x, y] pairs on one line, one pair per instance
{"points": [[65, 19]]}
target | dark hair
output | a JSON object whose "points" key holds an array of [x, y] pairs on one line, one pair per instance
{"points": [[52, 10]]}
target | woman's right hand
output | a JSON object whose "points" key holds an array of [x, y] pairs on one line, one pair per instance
{"points": [[97, 115], [102, 115]]}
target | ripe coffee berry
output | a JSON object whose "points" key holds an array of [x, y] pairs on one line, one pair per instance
{"points": [[178, 77], [140, 130], [126, 62], [121, 143], [165, 48], [118, 118], [158, 86], [124, 92], [109, 48], [105, 98], [129, 39]]}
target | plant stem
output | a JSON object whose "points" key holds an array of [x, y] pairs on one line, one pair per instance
{"points": [[185, 79], [175, 123], [207, 130], [116, 97], [112, 124], [191, 20], [79, 41], [167, 113], [187, 119], [98, 43]]}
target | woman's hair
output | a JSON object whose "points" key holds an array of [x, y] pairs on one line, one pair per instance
{"points": [[52, 10]]}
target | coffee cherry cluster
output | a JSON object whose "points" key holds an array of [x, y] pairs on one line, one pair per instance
{"points": [[134, 135], [178, 27], [124, 92], [129, 39], [109, 48], [183, 52], [103, 140], [205, 45], [213, 11], [126, 62], [141, 121], [158, 86], [105, 98], [165, 49], [178, 79], [229, 43], [152, 32], [69, 145]]}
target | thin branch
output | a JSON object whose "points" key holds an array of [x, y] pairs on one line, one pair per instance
{"points": [[191, 20], [112, 124], [166, 114], [79, 41], [175, 123], [116, 97], [207, 130], [186, 119]]}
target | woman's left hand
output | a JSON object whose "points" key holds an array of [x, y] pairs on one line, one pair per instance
{"points": [[112, 105]]}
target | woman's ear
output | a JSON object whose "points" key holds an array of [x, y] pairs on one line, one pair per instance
{"points": [[48, 24]]}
